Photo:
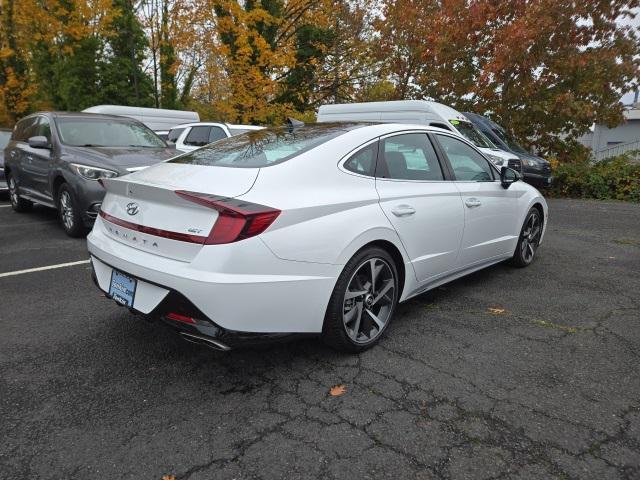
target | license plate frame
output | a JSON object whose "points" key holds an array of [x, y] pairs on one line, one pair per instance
{"points": [[122, 288]]}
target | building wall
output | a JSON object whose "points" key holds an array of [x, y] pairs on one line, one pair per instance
{"points": [[602, 137]]}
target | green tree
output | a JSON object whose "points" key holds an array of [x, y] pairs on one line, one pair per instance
{"points": [[122, 80]]}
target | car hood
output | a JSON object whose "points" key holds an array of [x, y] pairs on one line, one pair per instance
{"points": [[119, 158]]}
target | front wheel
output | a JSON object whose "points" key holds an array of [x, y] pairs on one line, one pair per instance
{"points": [[69, 213], [529, 239], [363, 302], [17, 203]]}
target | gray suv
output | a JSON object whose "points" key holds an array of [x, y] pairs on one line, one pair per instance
{"points": [[56, 160]]}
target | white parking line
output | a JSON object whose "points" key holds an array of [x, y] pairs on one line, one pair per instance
{"points": [[40, 269], [5, 206]]}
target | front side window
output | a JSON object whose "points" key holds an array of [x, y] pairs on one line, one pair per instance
{"points": [[410, 157], [262, 148], [103, 132], [467, 164], [24, 129], [174, 134], [364, 161], [472, 134], [43, 129]]}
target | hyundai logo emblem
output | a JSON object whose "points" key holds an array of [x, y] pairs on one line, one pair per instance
{"points": [[132, 208]]}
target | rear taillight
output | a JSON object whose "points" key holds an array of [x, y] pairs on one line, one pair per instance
{"points": [[177, 317], [237, 219]]}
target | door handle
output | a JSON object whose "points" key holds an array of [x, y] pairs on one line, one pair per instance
{"points": [[472, 202], [403, 210], [30, 158]]}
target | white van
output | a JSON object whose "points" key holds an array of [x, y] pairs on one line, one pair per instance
{"points": [[157, 119], [420, 112]]}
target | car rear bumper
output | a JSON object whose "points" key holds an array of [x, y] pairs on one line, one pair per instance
{"points": [[248, 304]]}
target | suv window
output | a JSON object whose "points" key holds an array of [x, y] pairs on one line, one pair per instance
{"points": [[43, 128], [410, 157], [467, 164], [174, 133], [204, 135], [24, 129], [363, 162]]}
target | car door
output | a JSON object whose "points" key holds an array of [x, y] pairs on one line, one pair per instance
{"points": [[40, 160], [422, 205], [490, 210], [21, 166]]}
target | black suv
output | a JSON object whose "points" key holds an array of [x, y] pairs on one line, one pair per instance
{"points": [[55, 159], [535, 170]]}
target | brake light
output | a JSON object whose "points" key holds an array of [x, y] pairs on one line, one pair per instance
{"points": [[176, 317], [237, 219]]}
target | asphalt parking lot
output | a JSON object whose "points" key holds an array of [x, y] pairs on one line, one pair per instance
{"points": [[509, 373]]}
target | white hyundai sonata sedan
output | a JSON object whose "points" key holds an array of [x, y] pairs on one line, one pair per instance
{"points": [[319, 229]]}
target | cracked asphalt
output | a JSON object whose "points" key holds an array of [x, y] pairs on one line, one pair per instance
{"points": [[549, 388]]}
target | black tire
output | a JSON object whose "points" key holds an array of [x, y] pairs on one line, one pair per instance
{"points": [[69, 213], [529, 239], [365, 332], [18, 203]]}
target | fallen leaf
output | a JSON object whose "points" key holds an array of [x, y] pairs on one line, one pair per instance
{"points": [[168, 477], [338, 390], [496, 311]]}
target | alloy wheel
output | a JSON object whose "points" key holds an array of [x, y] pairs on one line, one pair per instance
{"points": [[530, 237], [13, 192], [369, 300], [66, 210]]}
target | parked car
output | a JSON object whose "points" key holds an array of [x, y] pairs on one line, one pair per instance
{"points": [[163, 134], [154, 118], [5, 135], [191, 136], [320, 229], [56, 160], [419, 112], [535, 170]]}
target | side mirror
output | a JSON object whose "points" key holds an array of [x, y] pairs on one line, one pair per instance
{"points": [[170, 144], [509, 176], [39, 142]]}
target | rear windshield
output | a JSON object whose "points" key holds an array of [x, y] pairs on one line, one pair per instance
{"points": [[100, 132], [262, 148], [472, 134]]}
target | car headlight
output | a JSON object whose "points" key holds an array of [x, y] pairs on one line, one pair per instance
{"points": [[496, 160], [92, 173]]}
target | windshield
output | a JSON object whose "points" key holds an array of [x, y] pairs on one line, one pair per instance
{"points": [[261, 148], [4, 139], [508, 139], [472, 134], [100, 132]]}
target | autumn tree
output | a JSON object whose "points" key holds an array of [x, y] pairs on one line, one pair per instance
{"points": [[546, 69]]}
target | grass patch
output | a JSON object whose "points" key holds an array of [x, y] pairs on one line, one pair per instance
{"points": [[627, 241], [555, 326]]}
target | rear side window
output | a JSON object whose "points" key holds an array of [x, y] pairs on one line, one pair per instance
{"points": [[174, 133], [262, 148], [467, 164], [204, 135], [410, 157], [364, 161]]}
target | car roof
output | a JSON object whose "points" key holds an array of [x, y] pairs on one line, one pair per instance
{"points": [[228, 125], [56, 114]]}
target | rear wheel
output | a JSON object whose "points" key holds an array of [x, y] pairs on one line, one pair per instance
{"points": [[17, 203], [363, 301], [69, 213], [529, 239]]}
